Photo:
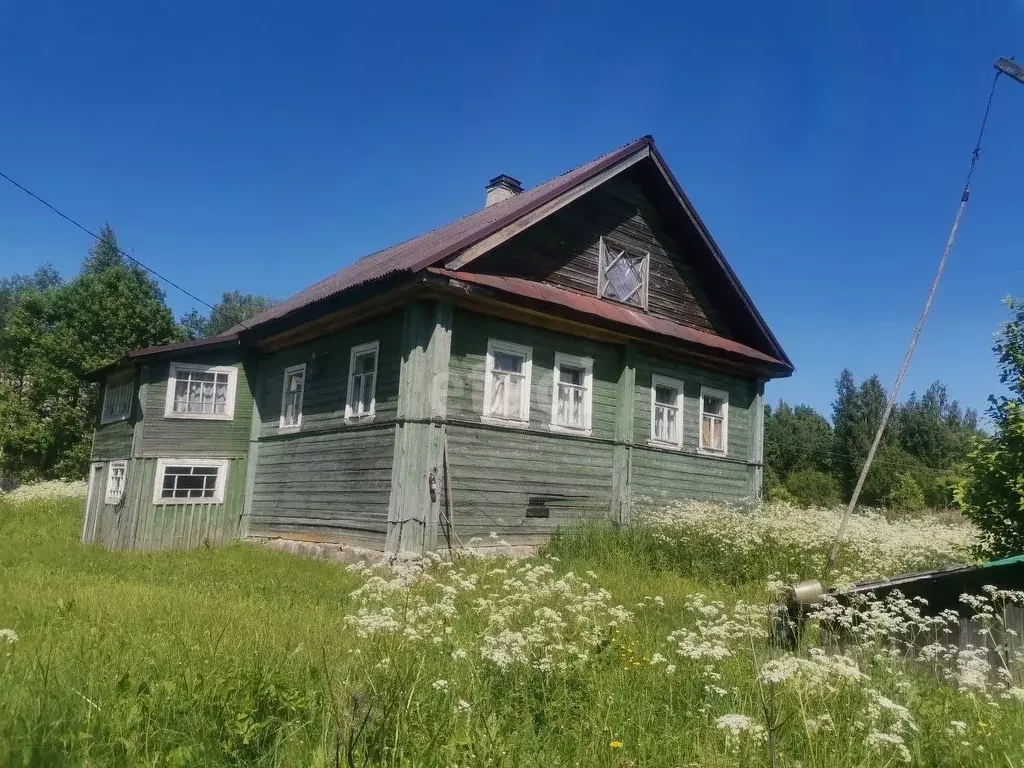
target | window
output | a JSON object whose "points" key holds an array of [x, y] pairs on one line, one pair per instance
{"points": [[201, 392], [190, 481], [117, 398], [714, 420], [115, 481], [507, 382], [622, 276], [362, 381], [291, 396], [666, 411], [573, 382]]}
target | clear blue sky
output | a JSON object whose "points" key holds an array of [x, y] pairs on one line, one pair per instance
{"points": [[260, 146]]}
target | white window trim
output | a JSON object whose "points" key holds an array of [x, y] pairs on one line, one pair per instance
{"points": [[218, 493], [603, 259], [111, 499], [229, 404], [496, 345], [361, 349], [665, 381], [724, 397], [281, 426], [573, 361], [116, 381]]}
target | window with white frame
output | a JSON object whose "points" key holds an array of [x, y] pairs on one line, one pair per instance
{"points": [[190, 481], [196, 391], [573, 383], [115, 481], [291, 396], [666, 411], [507, 381], [117, 398], [622, 276], [362, 381], [714, 420]]}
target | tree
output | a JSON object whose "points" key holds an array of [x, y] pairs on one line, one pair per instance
{"points": [[233, 308], [992, 493], [52, 335], [795, 439], [856, 414], [811, 488]]}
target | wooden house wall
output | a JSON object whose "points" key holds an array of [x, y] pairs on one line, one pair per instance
{"points": [[329, 480], [563, 250], [162, 436], [663, 473], [114, 440], [137, 523], [499, 473]]}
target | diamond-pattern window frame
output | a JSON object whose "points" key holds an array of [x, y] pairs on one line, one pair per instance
{"points": [[610, 255]]}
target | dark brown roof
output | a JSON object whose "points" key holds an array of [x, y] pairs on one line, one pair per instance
{"points": [[426, 250], [224, 339], [606, 310]]}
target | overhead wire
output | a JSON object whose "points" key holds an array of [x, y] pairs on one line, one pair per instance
{"points": [[123, 253]]}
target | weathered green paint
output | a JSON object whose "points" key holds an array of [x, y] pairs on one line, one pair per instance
{"points": [[114, 440], [416, 481], [252, 457], [328, 481], [757, 440], [162, 436], [622, 452], [137, 523]]}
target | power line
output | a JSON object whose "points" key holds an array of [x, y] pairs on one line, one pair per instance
{"points": [[94, 236]]}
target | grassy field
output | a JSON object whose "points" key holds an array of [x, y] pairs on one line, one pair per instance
{"points": [[645, 647]]}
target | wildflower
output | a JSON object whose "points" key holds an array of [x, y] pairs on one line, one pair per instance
{"points": [[463, 706], [879, 740], [735, 724], [615, 743], [458, 654], [440, 685], [8, 636]]}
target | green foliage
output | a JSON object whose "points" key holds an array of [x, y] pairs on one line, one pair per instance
{"points": [[992, 493], [812, 488], [51, 334], [234, 307], [796, 439], [905, 495]]}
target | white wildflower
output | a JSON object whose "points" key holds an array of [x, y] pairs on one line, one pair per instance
{"points": [[8, 636], [440, 685]]}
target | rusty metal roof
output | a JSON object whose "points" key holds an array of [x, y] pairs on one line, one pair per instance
{"points": [[423, 251], [607, 310]]}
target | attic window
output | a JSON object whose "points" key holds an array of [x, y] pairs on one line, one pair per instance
{"points": [[622, 276]]}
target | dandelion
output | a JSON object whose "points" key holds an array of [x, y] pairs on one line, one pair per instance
{"points": [[615, 744]]}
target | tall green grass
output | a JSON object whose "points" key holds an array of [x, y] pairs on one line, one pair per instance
{"points": [[243, 657]]}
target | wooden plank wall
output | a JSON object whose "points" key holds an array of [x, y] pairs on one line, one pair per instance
{"points": [[137, 523], [564, 250], [499, 473], [194, 437], [329, 481]]}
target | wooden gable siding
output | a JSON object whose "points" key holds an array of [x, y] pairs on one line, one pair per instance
{"points": [[667, 474], [564, 250], [328, 481], [162, 436]]}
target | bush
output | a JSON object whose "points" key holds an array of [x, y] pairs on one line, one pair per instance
{"points": [[906, 495], [778, 494], [811, 488]]}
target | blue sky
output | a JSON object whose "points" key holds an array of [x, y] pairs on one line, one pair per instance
{"points": [[262, 145]]}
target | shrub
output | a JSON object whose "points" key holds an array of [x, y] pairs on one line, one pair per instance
{"points": [[811, 488], [906, 495], [779, 494]]}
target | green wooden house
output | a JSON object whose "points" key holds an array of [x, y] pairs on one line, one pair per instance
{"points": [[556, 356]]}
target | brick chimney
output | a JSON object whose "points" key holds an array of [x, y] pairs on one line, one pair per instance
{"points": [[502, 188]]}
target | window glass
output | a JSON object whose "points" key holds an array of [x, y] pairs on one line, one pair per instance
{"points": [[189, 482], [115, 481], [362, 380], [713, 422], [117, 399], [572, 391], [623, 275], [291, 397], [666, 421], [507, 384]]}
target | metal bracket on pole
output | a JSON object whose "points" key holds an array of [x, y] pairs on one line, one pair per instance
{"points": [[1011, 68]]}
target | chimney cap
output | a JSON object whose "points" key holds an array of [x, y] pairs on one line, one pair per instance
{"points": [[504, 180]]}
